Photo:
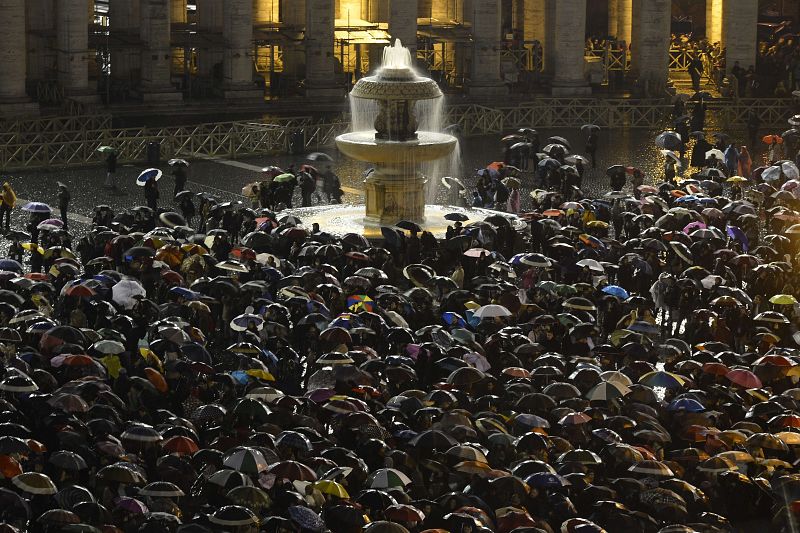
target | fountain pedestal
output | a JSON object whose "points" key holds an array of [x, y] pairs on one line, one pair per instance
{"points": [[393, 195]]}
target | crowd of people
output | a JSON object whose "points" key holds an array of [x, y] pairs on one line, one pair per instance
{"points": [[626, 362]]}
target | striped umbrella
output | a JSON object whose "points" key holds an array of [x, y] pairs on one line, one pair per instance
{"points": [[34, 483], [247, 460], [251, 497], [387, 478]]}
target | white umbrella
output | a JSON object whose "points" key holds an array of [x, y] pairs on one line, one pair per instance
{"points": [[127, 293], [716, 153], [591, 264], [790, 170], [491, 311], [617, 377]]}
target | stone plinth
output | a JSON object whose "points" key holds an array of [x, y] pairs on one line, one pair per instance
{"points": [[393, 195]]}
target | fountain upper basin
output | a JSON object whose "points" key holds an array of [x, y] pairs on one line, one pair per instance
{"points": [[428, 146]]}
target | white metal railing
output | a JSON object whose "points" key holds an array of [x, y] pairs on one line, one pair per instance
{"points": [[74, 141]]}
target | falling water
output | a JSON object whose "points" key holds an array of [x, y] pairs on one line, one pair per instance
{"points": [[429, 114]]}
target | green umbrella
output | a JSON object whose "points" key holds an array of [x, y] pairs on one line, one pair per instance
{"points": [[106, 149], [283, 178]]}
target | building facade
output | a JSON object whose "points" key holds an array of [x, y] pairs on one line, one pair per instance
{"points": [[164, 52]]}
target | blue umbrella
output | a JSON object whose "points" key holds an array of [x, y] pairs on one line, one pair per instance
{"points": [[10, 264], [644, 327], [686, 199], [147, 175], [454, 319], [616, 290], [346, 321], [686, 404], [736, 233], [37, 207], [188, 294]]}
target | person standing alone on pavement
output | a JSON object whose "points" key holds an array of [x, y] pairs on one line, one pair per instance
{"points": [[151, 194], [9, 201], [64, 197], [179, 172], [111, 170], [591, 147]]}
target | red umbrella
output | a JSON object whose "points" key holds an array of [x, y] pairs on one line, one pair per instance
{"points": [[180, 444], [717, 369], [79, 291], [403, 513], [293, 471], [744, 378]]}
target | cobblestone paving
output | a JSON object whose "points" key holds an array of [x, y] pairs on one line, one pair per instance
{"points": [[225, 179]]}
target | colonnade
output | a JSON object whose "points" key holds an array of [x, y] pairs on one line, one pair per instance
{"points": [[142, 31]]}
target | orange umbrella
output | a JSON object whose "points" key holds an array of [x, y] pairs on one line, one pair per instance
{"points": [[496, 165], [9, 467], [180, 445], [155, 377], [769, 139]]}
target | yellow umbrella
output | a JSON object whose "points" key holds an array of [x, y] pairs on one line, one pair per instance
{"points": [[790, 438], [332, 488], [737, 179], [737, 456], [783, 299], [260, 374], [597, 224], [31, 246]]}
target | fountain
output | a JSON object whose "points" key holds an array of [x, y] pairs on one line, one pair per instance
{"points": [[395, 116], [395, 190]]}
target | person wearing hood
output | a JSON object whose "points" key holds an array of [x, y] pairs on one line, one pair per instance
{"points": [[731, 159], [9, 201], [699, 152]]}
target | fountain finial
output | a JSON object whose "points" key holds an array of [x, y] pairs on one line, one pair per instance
{"points": [[396, 57]]}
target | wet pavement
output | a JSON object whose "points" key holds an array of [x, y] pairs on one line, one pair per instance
{"points": [[225, 179]]}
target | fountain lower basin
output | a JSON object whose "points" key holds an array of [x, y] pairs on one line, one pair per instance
{"points": [[342, 219], [363, 146]]}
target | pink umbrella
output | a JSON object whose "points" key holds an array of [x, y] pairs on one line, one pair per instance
{"points": [[694, 226]]}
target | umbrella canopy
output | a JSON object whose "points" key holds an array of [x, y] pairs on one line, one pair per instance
{"points": [[147, 175]]}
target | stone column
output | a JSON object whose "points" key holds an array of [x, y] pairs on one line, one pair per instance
{"points": [[209, 25], [124, 27], [650, 46], [568, 44], [154, 31], [714, 20], [13, 98], [740, 33], [485, 79], [178, 13], [403, 23], [625, 21], [319, 41], [534, 23], [613, 17], [238, 35], [42, 57], [265, 11], [294, 55], [72, 43]]}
